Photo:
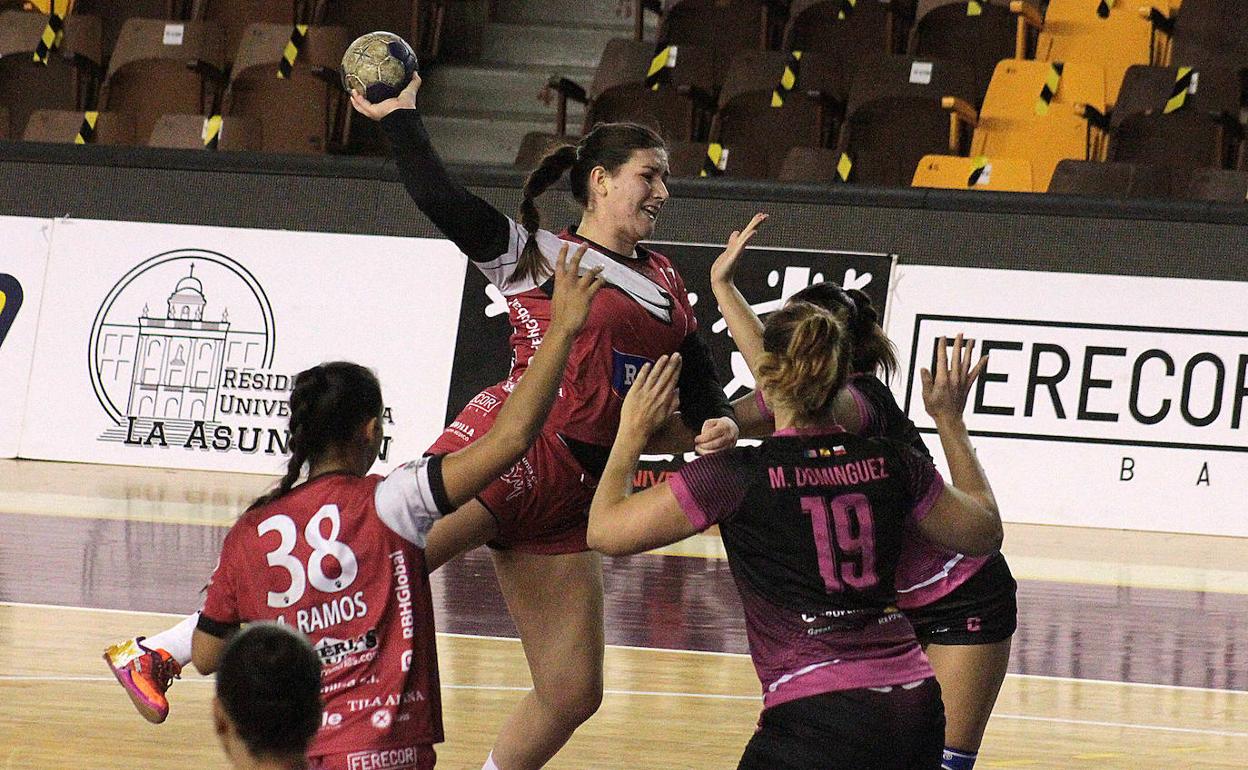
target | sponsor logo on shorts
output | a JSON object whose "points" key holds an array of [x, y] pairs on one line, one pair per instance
{"points": [[386, 759], [624, 369]]}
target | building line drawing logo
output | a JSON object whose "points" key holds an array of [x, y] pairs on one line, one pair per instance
{"points": [[173, 338]]}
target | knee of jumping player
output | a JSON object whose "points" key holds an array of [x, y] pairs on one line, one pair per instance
{"points": [[573, 702]]}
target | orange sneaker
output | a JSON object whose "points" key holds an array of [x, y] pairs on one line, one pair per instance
{"points": [[145, 674]]}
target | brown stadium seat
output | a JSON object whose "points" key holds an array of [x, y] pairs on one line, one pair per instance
{"points": [[810, 164], [953, 172], [850, 31], [1218, 184], [1201, 129], [622, 89], [1108, 179], [419, 22], [1024, 116], [722, 27], [4, 122], [235, 15], [894, 117], [67, 127], [1076, 31], [1210, 33], [68, 81], [755, 117], [978, 33], [305, 111], [114, 14], [534, 146], [163, 67], [703, 159], [196, 132]]}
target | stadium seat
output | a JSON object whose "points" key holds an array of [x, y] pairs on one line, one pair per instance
{"points": [[704, 159], [1076, 31], [4, 123], [235, 15], [894, 117], [810, 164], [163, 67], [676, 100], [1218, 184], [534, 146], [850, 30], [761, 119], [1159, 121], [953, 172], [419, 22], [114, 14], [195, 132], [978, 33], [68, 81], [303, 112], [1034, 111], [722, 27], [1108, 179], [74, 127], [1210, 33]]}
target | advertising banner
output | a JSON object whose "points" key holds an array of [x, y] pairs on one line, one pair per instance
{"points": [[767, 277], [23, 260], [1108, 401], [176, 346]]}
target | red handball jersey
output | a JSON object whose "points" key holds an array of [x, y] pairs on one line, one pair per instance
{"points": [[341, 558], [641, 314]]}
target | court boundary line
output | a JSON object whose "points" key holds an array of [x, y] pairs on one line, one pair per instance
{"points": [[712, 653]]}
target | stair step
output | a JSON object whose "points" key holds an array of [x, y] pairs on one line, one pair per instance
{"points": [[616, 15], [494, 88], [474, 139], [545, 44]]}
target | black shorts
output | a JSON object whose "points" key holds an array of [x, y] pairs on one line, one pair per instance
{"points": [[983, 610], [852, 730]]}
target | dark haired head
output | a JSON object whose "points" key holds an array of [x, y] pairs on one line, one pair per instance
{"points": [[609, 145], [328, 405], [269, 685], [805, 361], [873, 350]]}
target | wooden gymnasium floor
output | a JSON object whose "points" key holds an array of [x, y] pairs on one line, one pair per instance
{"points": [[1132, 650]]}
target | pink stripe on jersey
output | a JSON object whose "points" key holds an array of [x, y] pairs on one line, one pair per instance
{"points": [[761, 403], [698, 517], [909, 664], [923, 505], [864, 410], [927, 573]]}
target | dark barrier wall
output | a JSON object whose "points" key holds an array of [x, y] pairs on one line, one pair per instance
{"points": [[362, 195]]}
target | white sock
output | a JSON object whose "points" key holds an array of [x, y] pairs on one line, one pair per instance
{"points": [[489, 763], [177, 640]]}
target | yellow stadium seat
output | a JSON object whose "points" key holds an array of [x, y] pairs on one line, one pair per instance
{"points": [[1024, 116], [952, 172]]}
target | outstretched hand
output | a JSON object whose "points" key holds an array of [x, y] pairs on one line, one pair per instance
{"points": [[569, 305], [406, 100], [651, 399], [724, 269], [945, 390]]}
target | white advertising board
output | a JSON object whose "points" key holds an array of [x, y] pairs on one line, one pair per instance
{"points": [[23, 260], [175, 346], [1108, 401]]}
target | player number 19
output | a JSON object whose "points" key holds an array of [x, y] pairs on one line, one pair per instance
{"points": [[844, 540]]}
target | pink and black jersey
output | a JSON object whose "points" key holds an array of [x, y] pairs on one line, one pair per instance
{"points": [[341, 559], [927, 572], [644, 312], [813, 522]]}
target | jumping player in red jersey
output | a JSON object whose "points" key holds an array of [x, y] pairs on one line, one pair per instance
{"points": [[962, 607], [535, 515], [341, 556], [813, 522]]}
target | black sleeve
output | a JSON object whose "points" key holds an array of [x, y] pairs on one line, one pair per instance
{"points": [[481, 231], [215, 627], [701, 394]]}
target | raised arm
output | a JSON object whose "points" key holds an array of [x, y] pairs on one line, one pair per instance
{"points": [[481, 231], [468, 471], [965, 517], [743, 324]]}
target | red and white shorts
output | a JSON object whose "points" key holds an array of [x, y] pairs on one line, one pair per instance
{"points": [[541, 504]]}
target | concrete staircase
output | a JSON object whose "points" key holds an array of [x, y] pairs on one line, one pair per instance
{"points": [[478, 112]]}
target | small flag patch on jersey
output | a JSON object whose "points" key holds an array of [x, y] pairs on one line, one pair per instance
{"points": [[838, 450], [812, 453]]}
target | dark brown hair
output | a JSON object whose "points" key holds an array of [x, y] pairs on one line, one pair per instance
{"points": [[806, 356], [269, 684], [609, 145], [328, 404], [873, 350]]}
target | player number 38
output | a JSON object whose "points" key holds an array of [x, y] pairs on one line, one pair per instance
{"points": [[321, 547]]}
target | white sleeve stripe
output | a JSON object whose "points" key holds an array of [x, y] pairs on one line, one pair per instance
{"points": [[407, 503]]}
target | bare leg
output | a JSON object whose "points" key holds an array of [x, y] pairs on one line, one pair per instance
{"points": [[556, 603], [470, 526], [970, 677]]}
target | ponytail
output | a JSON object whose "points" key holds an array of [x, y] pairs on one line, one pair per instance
{"points": [[532, 266], [806, 352], [873, 350]]}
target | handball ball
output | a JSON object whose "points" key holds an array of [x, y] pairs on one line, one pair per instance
{"points": [[378, 65]]}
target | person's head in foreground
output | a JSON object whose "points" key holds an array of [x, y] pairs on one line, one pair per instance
{"points": [[268, 701]]}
